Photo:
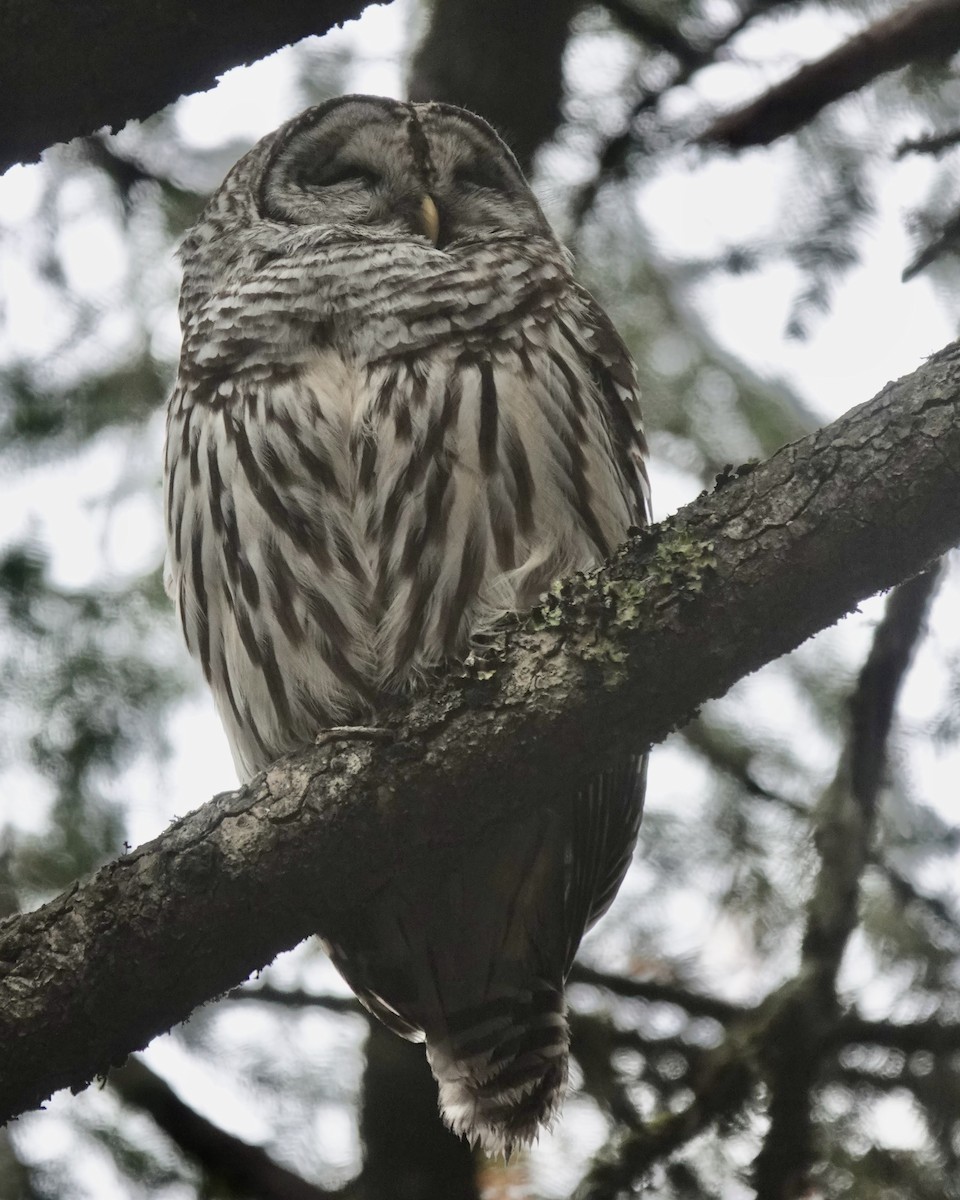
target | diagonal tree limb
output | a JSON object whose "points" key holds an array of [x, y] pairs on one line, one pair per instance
{"points": [[944, 240], [70, 69], [621, 656], [926, 29], [649, 25]]}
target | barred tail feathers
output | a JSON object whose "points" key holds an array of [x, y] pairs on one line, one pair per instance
{"points": [[502, 1069], [494, 1017], [474, 961]]}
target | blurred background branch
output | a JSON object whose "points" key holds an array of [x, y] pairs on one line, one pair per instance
{"points": [[926, 29]]}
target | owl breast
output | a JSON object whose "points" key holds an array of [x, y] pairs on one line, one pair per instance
{"points": [[343, 518]]}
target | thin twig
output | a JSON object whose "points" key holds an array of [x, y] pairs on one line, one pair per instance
{"points": [[266, 993], [696, 1003], [933, 143], [613, 154]]}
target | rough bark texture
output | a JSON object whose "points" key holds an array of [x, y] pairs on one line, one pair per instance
{"points": [[929, 30], [622, 656], [500, 59], [70, 69]]}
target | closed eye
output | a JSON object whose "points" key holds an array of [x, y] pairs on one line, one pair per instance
{"points": [[335, 173], [480, 174]]}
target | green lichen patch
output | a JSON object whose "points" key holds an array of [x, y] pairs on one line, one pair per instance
{"points": [[601, 610]]}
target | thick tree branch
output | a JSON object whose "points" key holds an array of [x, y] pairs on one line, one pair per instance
{"points": [[72, 69], [621, 656], [928, 29]]}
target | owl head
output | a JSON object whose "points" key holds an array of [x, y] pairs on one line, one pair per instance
{"points": [[362, 165]]}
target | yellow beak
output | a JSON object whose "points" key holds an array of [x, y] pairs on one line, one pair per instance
{"points": [[430, 218]]}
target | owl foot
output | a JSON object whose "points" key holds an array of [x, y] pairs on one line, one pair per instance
{"points": [[344, 733]]}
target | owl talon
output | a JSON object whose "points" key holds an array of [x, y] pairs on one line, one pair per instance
{"points": [[344, 733]]}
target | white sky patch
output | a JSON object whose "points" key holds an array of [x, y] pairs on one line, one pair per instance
{"points": [[248, 102]]}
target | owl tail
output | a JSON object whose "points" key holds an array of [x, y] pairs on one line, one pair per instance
{"points": [[502, 1068], [473, 964], [473, 960]]}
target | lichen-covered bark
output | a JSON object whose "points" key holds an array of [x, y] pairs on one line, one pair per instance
{"points": [[622, 656], [68, 69]]}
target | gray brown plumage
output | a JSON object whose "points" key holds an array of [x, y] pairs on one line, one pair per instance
{"points": [[397, 416]]}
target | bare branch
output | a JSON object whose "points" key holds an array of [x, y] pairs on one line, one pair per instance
{"points": [[735, 760], [266, 993], [698, 1004], [937, 1037], [724, 1084], [621, 656], [926, 29], [247, 1169], [613, 155], [933, 143], [936, 908], [648, 25], [945, 240]]}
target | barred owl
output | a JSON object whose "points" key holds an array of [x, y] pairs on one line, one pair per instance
{"points": [[398, 415]]}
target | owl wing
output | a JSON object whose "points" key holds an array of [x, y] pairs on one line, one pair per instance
{"points": [[604, 829], [607, 812], [613, 369]]}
